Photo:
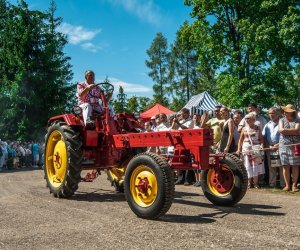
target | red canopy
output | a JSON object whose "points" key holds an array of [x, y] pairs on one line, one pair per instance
{"points": [[155, 110]]}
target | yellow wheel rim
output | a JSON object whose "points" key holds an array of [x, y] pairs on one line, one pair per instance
{"points": [[143, 186], [56, 158], [220, 182]]}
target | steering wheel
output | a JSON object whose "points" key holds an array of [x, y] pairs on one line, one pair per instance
{"points": [[107, 89]]}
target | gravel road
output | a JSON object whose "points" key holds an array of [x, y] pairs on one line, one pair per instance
{"points": [[98, 218]]}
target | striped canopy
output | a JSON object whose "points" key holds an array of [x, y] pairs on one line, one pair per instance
{"points": [[202, 102]]}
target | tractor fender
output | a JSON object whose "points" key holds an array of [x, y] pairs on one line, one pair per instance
{"points": [[69, 119]]}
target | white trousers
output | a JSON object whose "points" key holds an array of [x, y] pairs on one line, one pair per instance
{"points": [[87, 110]]}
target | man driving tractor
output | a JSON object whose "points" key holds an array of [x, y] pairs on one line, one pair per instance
{"points": [[88, 94]]}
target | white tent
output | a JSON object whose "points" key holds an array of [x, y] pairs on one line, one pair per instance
{"points": [[201, 103]]}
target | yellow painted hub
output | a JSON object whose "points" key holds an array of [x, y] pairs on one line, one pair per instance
{"points": [[143, 186], [220, 183], [56, 158]]}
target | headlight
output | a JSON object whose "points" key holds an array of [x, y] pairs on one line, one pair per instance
{"points": [[77, 110]]}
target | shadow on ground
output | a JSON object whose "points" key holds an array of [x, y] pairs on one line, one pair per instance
{"points": [[99, 195], [102, 195]]}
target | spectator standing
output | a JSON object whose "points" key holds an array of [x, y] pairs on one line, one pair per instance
{"points": [[147, 127], [11, 155], [197, 124], [35, 154], [216, 123], [271, 138], [163, 125], [153, 122], [41, 150], [185, 177], [237, 117], [260, 121], [28, 155], [21, 153], [227, 144], [5, 153], [289, 129], [185, 122], [197, 121], [250, 143], [171, 118], [1, 155]]}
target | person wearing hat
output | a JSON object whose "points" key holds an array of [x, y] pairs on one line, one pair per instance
{"points": [[289, 129], [88, 94]]}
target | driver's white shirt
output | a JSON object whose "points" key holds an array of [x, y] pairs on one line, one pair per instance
{"points": [[91, 97]]}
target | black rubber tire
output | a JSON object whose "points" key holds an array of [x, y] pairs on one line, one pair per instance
{"points": [[74, 158], [119, 186], [240, 183], [165, 184]]}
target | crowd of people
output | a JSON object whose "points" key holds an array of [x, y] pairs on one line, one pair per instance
{"points": [[269, 146], [19, 155]]}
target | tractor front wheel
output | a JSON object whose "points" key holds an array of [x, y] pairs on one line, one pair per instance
{"points": [[63, 157], [149, 185], [226, 184]]}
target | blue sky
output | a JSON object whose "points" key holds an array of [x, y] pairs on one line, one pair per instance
{"points": [[111, 36]]}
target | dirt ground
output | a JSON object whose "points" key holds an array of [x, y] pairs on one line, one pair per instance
{"points": [[96, 217]]}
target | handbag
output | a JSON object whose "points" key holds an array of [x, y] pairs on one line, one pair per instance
{"points": [[257, 151], [275, 159], [297, 150]]}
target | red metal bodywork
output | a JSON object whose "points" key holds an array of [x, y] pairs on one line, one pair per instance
{"points": [[191, 145], [112, 141]]}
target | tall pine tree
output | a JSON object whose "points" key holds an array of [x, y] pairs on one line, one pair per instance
{"points": [[35, 72], [158, 65]]}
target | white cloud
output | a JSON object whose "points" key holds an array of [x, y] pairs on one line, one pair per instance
{"points": [[146, 10], [77, 34], [91, 47], [130, 87]]}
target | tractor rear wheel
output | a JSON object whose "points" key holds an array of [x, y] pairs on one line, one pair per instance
{"points": [[227, 184], [63, 157], [149, 185]]}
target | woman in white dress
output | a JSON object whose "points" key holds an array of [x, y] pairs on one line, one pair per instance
{"points": [[251, 145]]}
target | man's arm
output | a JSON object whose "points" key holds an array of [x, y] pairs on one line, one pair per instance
{"points": [[83, 91]]}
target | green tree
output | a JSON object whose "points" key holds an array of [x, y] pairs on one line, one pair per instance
{"points": [[158, 65], [133, 105], [144, 103], [185, 79], [138, 104], [253, 46], [34, 71], [120, 102]]}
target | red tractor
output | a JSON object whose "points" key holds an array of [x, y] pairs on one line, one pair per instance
{"points": [[146, 178]]}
